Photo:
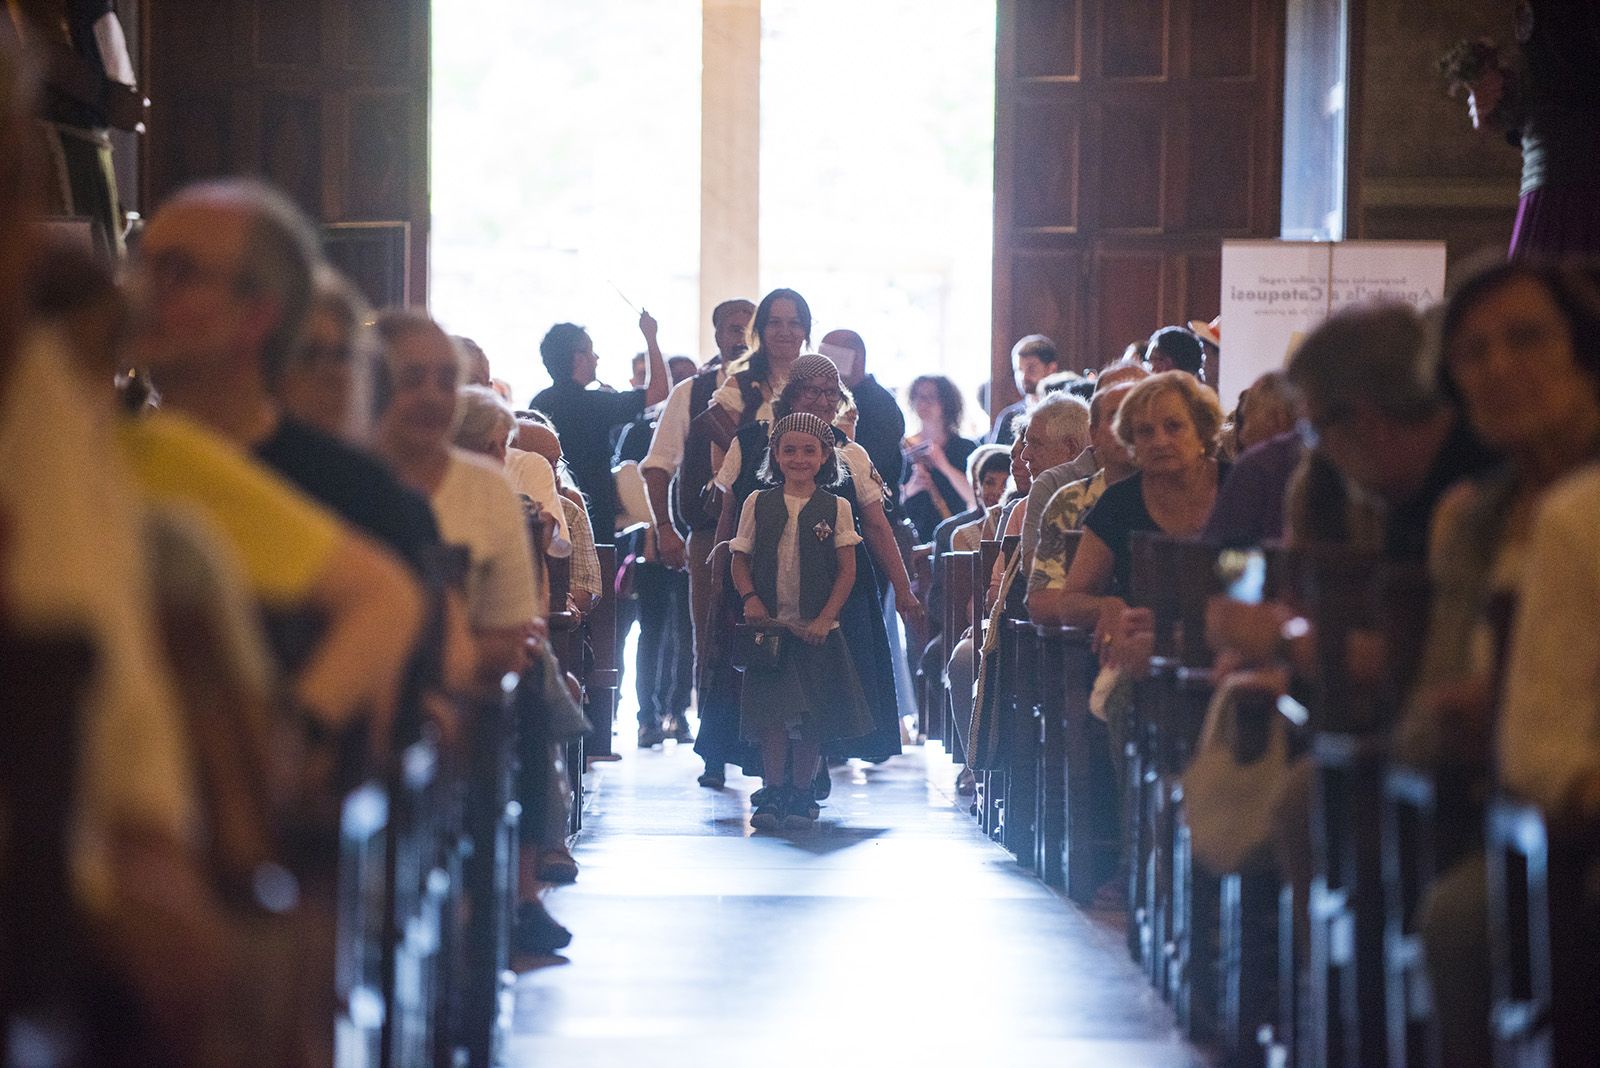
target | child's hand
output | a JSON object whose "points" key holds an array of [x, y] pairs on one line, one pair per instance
{"points": [[816, 632], [755, 613]]}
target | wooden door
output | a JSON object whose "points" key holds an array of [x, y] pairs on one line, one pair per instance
{"points": [[326, 98], [1132, 136]]}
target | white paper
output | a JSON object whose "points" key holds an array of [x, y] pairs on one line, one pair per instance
{"points": [[1274, 293]]}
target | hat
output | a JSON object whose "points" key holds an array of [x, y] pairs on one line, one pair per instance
{"points": [[814, 365], [1210, 333], [804, 422]]}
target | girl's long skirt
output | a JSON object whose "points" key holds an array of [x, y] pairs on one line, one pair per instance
{"points": [[813, 694], [861, 624]]}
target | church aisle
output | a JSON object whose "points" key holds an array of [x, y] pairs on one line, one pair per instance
{"points": [[859, 942]]}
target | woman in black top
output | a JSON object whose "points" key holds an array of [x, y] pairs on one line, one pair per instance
{"points": [[934, 486], [1170, 423]]}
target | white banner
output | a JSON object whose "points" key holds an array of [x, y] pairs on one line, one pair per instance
{"points": [[1274, 293]]}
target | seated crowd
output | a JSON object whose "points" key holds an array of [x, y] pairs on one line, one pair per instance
{"points": [[1379, 567], [314, 634]]}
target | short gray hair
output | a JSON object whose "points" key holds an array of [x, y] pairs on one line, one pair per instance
{"points": [[485, 419], [1060, 417], [1380, 354], [282, 249]]}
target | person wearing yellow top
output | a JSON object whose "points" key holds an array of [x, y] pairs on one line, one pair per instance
{"points": [[293, 554]]}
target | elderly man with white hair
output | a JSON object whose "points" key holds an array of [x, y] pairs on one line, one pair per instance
{"points": [[1058, 433]]}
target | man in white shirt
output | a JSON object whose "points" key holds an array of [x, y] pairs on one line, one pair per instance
{"points": [[677, 464]]}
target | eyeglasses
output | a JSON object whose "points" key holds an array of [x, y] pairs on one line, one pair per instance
{"points": [[173, 269], [811, 393]]}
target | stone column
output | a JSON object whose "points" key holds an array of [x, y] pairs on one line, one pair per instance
{"points": [[730, 156]]}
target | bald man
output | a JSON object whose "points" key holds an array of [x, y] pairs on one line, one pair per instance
{"points": [[881, 425]]}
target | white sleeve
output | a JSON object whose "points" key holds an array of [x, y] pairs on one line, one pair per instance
{"points": [[728, 473], [672, 431], [508, 596], [744, 540], [530, 474], [864, 476], [1550, 729], [844, 527]]}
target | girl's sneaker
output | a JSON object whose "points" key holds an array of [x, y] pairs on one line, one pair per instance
{"points": [[769, 812], [800, 811]]}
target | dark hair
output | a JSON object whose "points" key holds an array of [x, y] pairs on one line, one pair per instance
{"points": [[760, 363], [1180, 346], [1373, 353], [1575, 291], [1038, 346], [557, 348], [950, 402], [770, 474], [997, 461], [727, 308]]}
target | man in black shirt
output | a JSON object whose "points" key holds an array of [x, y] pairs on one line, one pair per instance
{"points": [[1033, 359], [882, 424], [355, 485], [584, 417]]}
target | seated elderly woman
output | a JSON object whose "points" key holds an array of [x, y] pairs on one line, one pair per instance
{"points": [[1520, 345], [418, 404], [1170, 422]]}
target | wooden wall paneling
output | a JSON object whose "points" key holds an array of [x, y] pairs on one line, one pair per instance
{"points": [[326, 98], [1133, 39], [1047, 166], [1127, 294], [1223, 166], [1132, 137], [1221, 44], [1049, 39], [1047, 288], [1131, 152]]}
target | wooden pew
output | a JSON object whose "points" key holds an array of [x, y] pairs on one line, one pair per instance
{"points": [[566, 643], [1146, 815], [600, 687], [992, 785], [959, 571], [1194, 925], [1076, 837], [986, 798], [1255, 966], [1346, 1017], [1544, 925], [46, 972], [488, 879], [1021, 741], [930, 712]]}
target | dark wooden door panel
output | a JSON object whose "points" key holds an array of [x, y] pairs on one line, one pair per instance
{"points": [[327, 99], [1133, 136]]}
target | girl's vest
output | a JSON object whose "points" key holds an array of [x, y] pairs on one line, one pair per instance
{"points": [[819, 559]]}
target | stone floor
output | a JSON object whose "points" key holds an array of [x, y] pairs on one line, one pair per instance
{"points": [[893, 933]]}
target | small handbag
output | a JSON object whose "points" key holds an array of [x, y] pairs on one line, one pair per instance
{"points": [[757, 648], [1231, 803]]}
